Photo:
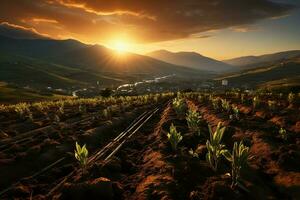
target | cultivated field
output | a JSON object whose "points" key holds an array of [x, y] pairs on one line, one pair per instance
{"points": [[233, 145]]}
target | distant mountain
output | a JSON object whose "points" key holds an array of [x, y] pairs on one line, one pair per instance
{"points": [[101, 59], [191, 59], [253, 61], [69, 63], [37, 73], [280, 72], [38, 48]]}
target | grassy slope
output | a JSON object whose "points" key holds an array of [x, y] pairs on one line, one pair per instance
{"points": [[280, 73], [34, 72], [9, 94], [282, 83]]}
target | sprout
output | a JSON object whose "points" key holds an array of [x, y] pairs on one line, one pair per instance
{"points": [[193, 153], [179, 106], [214, 146], [283, 134], [236, 112], [216, 103], [280, 95], [56, 119], [82, 108], [291, 98], [81, 154], [272, 105], [193, 120], [225, 105], [174, 137], [201, 98], [61, 108], [105, 113], [242, 98], [238, 159], [256, 102]]}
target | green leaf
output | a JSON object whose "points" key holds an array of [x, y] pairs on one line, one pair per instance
{"points": [[227, 155], [78, 147]]}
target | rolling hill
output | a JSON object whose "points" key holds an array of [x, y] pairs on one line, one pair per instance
{"points": [[12, 94], [22, 70], [101, 59], [253, 61], [281, 72], [38, 48], [285, 83], [69, 63], [191, 59]]}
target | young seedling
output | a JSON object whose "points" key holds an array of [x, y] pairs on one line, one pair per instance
{"points": [[105, 113], [82, 109], [238, 159], [61, 109], [256, 102], [174, 137], [242, 98], [179, 106], [214, 146], [201, 98], [225, 105], [280, 95], [193, 153], [291, 98], [236, 112], [81, 154], [272, 105], [283, 134], [216, 103], [193, 120], [30, 116]]}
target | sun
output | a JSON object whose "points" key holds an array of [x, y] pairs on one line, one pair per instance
{"points": [[120, 46]]}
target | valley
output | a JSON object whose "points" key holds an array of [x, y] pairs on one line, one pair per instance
{"points": [[150, 100]]}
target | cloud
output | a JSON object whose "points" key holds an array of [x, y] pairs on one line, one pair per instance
{"points": [[16, 31], [201, 36], [244, 29], [144, 20]]}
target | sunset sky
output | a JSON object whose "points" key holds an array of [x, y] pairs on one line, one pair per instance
{"points": [[219, 29]]}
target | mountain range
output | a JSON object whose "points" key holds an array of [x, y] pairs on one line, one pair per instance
{"points": [[192, 60], [43, 62], [253, 61], [284, 72], [48, 62]]}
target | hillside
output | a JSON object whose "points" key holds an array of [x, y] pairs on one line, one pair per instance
{"points": [[69, 63], [24, 71], [271, 73], [38, 48], [191, 59], [253, 61], [11, 94], [101, 59], [285, 83]]}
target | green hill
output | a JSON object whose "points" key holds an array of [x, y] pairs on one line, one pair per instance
{"points": [[37, 73], [68, 64], [279, 72], [13, 94]]}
